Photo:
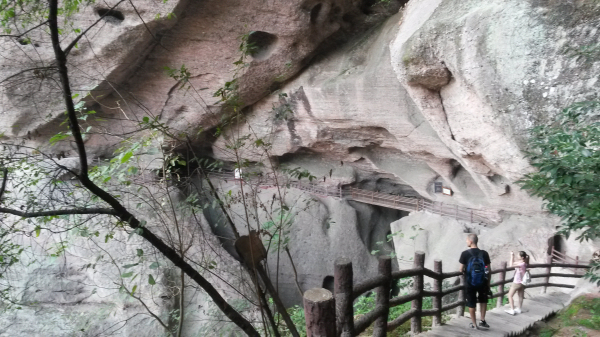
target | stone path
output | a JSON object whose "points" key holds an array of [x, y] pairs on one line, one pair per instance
{"points": [[502, 324]]}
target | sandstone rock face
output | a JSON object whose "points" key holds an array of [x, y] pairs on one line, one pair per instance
{"points": [[448, 100], [440, 92], [84, 288], [122, 63], [32, 107], [443, 238]]}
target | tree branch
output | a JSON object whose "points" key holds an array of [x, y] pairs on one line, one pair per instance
{"points": [[120, 211], [74, 42], [4, 178], [25, 32], [144, 22], [59, 212]]}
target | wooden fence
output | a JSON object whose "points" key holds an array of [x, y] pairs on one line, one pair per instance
{"points": [[560, 257], [419, 204], [317, 308]]}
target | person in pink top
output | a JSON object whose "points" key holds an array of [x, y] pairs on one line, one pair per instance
{"points": [[517, 286]]}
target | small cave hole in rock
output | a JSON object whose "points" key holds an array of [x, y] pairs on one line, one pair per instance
{"points": [[558, 242], [314, 12], [261, 44], [110, 15], [328, 283]]}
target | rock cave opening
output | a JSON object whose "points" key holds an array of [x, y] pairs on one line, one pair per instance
{"points": [[558, 243], [261, 44], [314, 12], [328, 283], [110, 15]]}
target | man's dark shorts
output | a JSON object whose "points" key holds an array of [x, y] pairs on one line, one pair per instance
{"points": [[476, 295]]}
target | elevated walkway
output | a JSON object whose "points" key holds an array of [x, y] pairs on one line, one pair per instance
{"points": [[403, 203], [502, 324]]}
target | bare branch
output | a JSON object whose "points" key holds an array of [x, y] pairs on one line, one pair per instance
{"points": [[25, 32], [59, 212], [5, 171], [144, 22], [120, 210], [74, 42], [26, 70]]}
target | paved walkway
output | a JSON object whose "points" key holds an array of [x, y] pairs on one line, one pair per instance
{"points": [[502, 324]]}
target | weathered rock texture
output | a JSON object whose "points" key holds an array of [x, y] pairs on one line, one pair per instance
{"points": [[443, 91]]}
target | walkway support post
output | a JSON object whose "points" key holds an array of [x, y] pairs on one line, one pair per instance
{"points": [[548, 270], [343, 297], [437, 299], [417, 304], [460, 310], [502, 276], [383, 296], [319, 309]]}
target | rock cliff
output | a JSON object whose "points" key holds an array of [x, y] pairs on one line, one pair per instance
{"points": [[380, 95]]}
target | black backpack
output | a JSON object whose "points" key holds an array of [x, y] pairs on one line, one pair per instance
{"points": [[476, 269]]}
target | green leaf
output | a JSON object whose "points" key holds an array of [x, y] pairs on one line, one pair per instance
{"points": [[134, 289], [140, 252], [130, 265], [126, 157], [38, 229], [154, 265], [127, 274], [151, 280]]}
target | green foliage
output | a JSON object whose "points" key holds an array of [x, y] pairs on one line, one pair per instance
{"points": [[278, 229], [366, 303], [297, 315], [582, 315], [567, 156], [298, 173], [593, 274]]}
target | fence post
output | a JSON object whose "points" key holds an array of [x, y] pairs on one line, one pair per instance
{"points": [[417, 304], [460, 310], [344, 314], [437, 287], [319, 308], [383, 296], [576, 263], [502, 275], [548, 270]]}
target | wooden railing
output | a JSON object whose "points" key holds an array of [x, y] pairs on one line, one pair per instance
{"points": [[404, 203], [345, 292], [560, 257], [419, 204]]}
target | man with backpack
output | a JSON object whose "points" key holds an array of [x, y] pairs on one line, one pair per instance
{"points": [[475, 264]]}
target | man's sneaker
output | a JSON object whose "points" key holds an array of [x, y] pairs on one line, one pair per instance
{"points": [[484, 324], [517, 310], [510, 312], [473, 326]]}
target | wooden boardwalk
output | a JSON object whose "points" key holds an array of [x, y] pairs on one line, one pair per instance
{"points": [[403, 203], [502, 324]]}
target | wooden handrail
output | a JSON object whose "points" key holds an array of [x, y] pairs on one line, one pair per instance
{"points": [[345, 294], [376, 198]]}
